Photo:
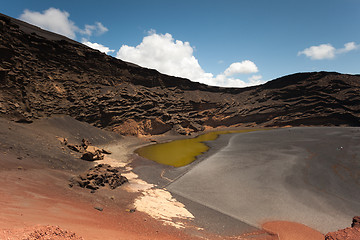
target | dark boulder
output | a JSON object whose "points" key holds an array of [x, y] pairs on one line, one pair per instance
{"points": [[101, 175], [92, 156]]}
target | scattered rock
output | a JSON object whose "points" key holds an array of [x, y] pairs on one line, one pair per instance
{"points": [[50, 232], [104, 151], [89, 153], [99, 208], [75, 148], [100, 176], [63, 141], [85, 143], [90, 156]]}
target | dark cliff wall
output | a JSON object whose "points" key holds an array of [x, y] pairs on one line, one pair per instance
{"points": [[42, 74]]}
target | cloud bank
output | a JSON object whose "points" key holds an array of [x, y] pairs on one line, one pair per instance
{"points": [[53, 20], [98, 28], [175, 57], [327, 51], [58, 21]]}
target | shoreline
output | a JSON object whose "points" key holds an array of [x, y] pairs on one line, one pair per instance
{"points": [[212, 174]]}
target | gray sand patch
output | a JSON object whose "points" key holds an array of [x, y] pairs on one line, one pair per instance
{"points": [[306, 175]]}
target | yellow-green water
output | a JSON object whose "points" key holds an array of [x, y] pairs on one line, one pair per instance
{"points": [[182, 152]]}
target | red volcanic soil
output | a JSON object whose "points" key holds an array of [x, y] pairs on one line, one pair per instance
{"points": [[40, 232], [37, 203], [292, 231], [350, 233], [35, 170], [37, 196]]}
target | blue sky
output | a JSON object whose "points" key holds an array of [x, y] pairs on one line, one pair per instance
{"points": [[227, 43]]}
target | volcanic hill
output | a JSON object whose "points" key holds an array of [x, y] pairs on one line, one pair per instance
{"points": [[43, 74]]}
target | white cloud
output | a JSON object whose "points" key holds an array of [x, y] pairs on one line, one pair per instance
{"points": [[256, 80], [97, 46], [246, 66], [175, 57], [58, 21], [53, 20], [101, 29], [98, 29], [350, 46], [327, 51], [225, 81], [165, 54], [323, 51]]}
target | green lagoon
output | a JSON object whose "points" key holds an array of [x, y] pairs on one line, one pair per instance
{"points": [[182, 152]]}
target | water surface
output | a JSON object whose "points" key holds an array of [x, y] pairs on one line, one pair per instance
{"points": [[182, 152]]}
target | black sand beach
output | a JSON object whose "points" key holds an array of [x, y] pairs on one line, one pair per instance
{"points": [[305, 175]]}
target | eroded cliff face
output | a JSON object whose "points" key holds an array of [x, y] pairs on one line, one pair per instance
{"points": [[42, 74]]}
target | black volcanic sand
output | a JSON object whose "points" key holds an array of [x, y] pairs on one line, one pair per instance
{"points": [[305, 175], [39, 141]]}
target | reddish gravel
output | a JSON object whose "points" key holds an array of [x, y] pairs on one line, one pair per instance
{"points": [[40, 232], [350, 233], [292, 231]]}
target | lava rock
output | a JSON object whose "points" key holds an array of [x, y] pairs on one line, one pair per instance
{"points": [[101, 175], [91, 156]]}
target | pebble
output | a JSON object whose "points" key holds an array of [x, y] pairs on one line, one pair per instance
{"points": [[99, 209]]}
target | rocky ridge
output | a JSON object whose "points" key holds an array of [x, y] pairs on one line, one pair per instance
{"points": [[43, 74]]}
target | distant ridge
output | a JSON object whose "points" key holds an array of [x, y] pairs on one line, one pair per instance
{"points": [[43, 73]]}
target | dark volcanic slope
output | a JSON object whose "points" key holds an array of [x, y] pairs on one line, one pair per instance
{"points": [[42, 74]]}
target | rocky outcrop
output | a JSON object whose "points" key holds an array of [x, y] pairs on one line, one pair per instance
{"points": [[99, 176], [351, 233], [89, 153], [44, 74]]}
